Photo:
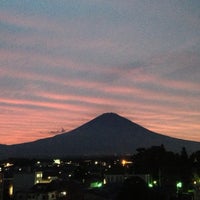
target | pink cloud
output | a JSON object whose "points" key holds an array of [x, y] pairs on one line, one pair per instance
{"points": [[145, 93]]}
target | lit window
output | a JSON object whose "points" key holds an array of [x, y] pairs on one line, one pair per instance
{"points": [[11, 190], [39, 174], [57, 161], [63, 193]]}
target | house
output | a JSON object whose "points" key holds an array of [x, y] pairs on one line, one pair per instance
{"points": [[55, 190]]}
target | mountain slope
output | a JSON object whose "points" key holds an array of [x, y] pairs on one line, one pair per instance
{"points": [[107, 134]]}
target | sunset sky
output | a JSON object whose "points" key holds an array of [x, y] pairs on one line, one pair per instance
{"points": [[64, 62]]}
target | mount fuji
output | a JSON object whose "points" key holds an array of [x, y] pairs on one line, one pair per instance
{"points": [[107, 134]]}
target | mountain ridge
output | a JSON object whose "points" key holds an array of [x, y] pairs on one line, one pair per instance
{"points": [[107, 134]]}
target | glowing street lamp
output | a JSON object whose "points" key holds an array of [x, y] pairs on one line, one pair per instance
{"points": [[179, 185]]}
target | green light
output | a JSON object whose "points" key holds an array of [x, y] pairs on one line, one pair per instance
{"points": [[179, 185], [150, 185], [96, 184]]}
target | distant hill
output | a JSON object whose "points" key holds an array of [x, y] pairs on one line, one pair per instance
{"points": [[108, 134]]}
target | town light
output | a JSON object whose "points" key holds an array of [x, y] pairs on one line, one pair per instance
{"points": [[63, 193], [57, 161], [10, 190], [124, 162], [179, 184], [96, 184], [150, 185]]}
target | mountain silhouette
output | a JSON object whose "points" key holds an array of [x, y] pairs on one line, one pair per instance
{"points": [[107, 134]]}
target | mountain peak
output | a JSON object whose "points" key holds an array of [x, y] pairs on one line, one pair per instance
{"points": [[107, 134], [109, 119], [109, 115]]}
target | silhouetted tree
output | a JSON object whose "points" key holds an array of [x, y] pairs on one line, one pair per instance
{"points": [[166, 166], [149, 161], [185, 167]]}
